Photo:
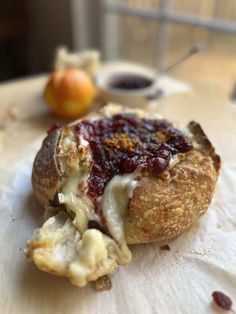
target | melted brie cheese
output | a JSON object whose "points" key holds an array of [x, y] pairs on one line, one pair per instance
{"points": [[79, 204], [115, 202], [57, 247], [65, 247]]}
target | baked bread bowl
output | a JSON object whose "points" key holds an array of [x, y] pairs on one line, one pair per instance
{"points": [[114, 178]]}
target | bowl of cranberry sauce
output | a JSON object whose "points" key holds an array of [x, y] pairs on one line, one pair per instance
{"points": [[129, 85]]}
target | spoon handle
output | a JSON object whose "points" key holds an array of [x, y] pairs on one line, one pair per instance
{"points": [[193, 50]]}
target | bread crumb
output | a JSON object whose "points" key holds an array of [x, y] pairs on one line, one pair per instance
{"points": [[177, 250], [165, 247], [12, 113], [103, 283]]}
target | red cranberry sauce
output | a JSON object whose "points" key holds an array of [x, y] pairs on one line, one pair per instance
{"points": [[124, 142], [130, 82]]}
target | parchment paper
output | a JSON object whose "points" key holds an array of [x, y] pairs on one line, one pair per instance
{"points": [[201, 260]]}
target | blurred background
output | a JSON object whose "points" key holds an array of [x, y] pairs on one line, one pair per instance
{"points": [[152, 32]]}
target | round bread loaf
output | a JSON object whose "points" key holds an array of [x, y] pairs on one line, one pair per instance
{"points": [[161, 206]]}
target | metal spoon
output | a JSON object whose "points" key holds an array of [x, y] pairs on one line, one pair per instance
{"points": [[196, 48]]}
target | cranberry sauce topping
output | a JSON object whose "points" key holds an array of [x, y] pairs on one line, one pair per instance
{"points": [[124, 142], [130, 82]]}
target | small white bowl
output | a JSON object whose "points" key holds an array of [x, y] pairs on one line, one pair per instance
{"points": [[136, 97]]}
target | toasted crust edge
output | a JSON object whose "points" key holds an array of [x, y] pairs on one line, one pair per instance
{"points": [[46, 174], [206, 146]]}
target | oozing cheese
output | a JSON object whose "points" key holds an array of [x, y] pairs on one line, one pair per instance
{"points": [[80, 205], [77, 202], [57, 247], [114, 207], [64, 247], [60, 248]]}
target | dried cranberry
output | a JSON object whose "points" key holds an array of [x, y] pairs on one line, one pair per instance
{"points": [[222, 300], [129, 165], [152, 148], [158, 165], [180, 143], [165, 247]]}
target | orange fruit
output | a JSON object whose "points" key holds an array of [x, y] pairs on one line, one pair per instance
{"points": [[69, 93]]}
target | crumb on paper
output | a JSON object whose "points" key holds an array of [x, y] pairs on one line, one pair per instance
{"points": [[12, 113], [218, 226], [13, 219], [177, 250], [222, 300], [204, 253], [103, 283], [165, 247]]}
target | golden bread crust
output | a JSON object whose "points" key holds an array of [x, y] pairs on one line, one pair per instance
{"points": [[46, 173], [205, 145], [160, 209]]}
